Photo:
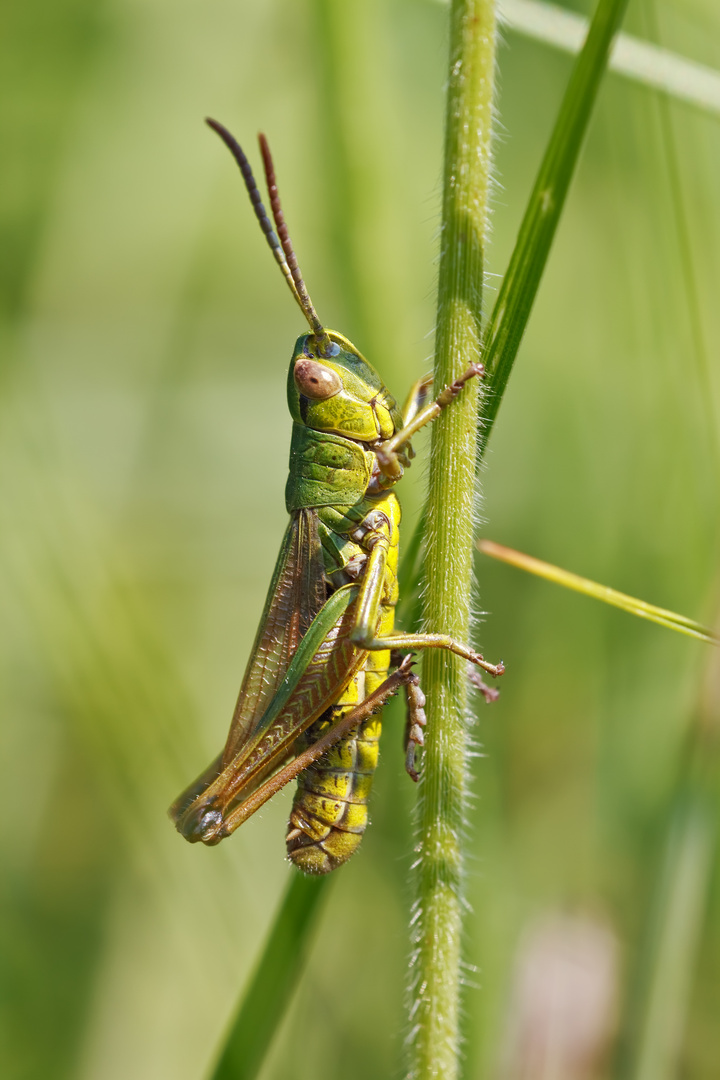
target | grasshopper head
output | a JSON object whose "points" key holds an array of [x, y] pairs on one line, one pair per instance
{"points": [[335, 389]]}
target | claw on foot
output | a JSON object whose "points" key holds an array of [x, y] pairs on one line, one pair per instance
{"points": [[496, 670]]}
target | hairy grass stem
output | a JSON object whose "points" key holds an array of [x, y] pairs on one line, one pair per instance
{"points": [[437, 922], [437, 926]]}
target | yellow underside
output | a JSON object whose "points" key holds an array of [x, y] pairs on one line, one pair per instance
{"points": [[329, 813]]}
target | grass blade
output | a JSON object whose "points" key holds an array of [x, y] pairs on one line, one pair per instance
{"points": [[680, 904], [268, 994], [517, 294], [700, 350], [657, 1012], [537, 231], [631, 604], [644, 63]]}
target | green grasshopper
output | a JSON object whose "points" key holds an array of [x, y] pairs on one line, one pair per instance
{"points": [[319, 671]]}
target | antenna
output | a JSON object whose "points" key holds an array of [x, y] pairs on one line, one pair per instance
{"points": [[282, 229], [281, 248]]}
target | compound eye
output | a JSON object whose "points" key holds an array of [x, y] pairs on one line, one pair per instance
{"points": [[316, 381]]}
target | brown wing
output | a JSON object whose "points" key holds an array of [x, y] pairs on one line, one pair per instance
{"points": [[325, 661], [295, 596]]}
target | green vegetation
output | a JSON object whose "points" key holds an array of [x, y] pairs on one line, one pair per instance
{"points": [[145, 339]]}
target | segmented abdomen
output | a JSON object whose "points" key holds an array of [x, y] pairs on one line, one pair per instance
{"points": [[329, 813]]}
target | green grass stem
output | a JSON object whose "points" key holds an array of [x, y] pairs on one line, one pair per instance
{"points": [[435, 971], [516, 297]]}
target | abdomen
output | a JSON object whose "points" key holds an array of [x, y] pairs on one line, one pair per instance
{"points": [[330, 813]]}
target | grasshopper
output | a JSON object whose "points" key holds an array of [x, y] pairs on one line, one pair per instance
{"points": [[319, 671]]}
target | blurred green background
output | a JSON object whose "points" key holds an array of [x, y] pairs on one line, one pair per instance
{"points": [[145, 337]]}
